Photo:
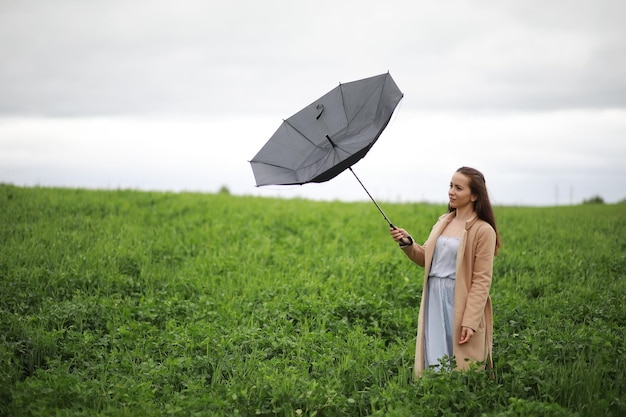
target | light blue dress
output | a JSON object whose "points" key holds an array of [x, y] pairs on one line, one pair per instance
{"points": [[439, 318]]}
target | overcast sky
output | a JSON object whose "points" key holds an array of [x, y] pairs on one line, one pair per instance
{"points": [[165, 95]]}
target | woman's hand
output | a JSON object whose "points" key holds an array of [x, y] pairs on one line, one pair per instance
{"points": [[399, 234], [466, 335]]}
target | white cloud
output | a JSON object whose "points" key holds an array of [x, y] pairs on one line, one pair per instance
{"points": [[115, 57]]}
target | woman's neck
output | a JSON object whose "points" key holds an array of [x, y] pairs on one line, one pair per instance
{"points": [[465, 213]]}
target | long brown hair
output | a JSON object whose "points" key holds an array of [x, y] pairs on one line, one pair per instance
{"points": [[482, 205]]}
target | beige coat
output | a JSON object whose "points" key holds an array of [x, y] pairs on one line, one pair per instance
{"points": [[472, 304]]}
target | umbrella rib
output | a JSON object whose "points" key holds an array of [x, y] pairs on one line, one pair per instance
{"points": [[334, 145], [362, 107], [271, 164], [343, 102], [335, 152], [320, 168], [301, 134], [326, 157], [323, 157]]}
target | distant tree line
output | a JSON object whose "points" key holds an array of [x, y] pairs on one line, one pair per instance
{"points": [[597, 199]]}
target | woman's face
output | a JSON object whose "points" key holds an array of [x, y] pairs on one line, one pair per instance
{"points": [[460, 194]]}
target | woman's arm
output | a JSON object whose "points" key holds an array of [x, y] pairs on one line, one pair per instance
{"points": [[414, 251]]}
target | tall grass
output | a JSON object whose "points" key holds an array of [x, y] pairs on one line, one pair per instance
{"points": [[120, 303]]}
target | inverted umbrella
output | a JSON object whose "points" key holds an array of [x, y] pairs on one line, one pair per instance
{"points": [[329, 135]]}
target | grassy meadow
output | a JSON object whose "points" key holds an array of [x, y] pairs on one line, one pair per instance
{"points": [[127, 303]]}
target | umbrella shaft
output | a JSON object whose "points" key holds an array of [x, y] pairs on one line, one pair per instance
{"points": [[372, 198]]}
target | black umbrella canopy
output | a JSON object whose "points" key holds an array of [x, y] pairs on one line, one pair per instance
{"points": [[329, 135]]}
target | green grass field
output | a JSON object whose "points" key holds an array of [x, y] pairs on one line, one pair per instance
{"points": [[127, 303]]}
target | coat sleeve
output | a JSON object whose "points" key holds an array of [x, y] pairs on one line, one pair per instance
{"points": [[415, 253], [481, 277]]}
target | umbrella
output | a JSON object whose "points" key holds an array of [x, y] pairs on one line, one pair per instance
{"points": [[329, 135]]}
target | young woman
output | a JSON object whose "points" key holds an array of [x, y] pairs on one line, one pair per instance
{"points": [[455, 318]]}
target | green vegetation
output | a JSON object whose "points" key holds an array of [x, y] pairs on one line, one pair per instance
{"points": [[126, 303]]}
